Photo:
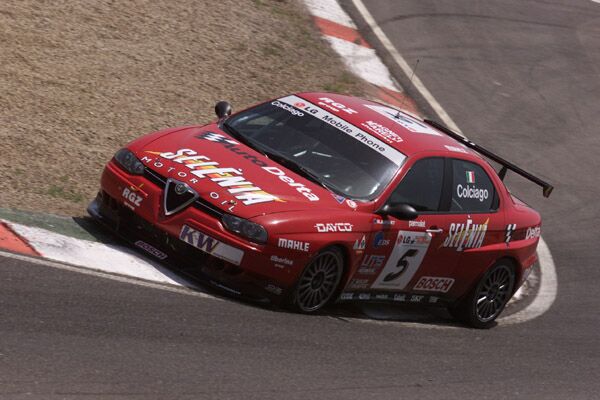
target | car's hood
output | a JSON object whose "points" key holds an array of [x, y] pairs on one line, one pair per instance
{"points": [[233, 176]]}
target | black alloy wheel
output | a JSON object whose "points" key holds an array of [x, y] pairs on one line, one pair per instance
{"points": [[485, 303], [319, 281]]}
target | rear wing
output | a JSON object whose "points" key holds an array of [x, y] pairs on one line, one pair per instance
{"points": [[547, 188]]}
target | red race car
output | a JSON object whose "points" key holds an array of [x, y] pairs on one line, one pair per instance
{"points": [[317, 197]]}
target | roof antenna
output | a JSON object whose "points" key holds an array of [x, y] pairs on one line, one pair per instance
{"points": [[410, 81]]}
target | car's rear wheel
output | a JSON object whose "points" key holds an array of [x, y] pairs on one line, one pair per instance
{"points": [[319, 281], [485, 302]]}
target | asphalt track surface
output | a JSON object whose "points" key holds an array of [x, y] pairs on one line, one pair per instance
{"points": [[520, 77]]}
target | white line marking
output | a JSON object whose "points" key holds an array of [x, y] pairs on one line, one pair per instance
{"points": [[330, 10], [404, 66], [548, 285], [189, 291]]}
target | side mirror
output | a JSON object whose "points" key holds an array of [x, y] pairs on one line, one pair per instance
{"points": [[223, 109], [401, 211]]}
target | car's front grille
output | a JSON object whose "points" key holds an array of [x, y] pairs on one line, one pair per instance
{"points": [[199, 204]]}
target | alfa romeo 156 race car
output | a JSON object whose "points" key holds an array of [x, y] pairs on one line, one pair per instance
{"points": [[313, 198]]}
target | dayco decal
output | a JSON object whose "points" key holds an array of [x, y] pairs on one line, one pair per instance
{"points": [[385, 133], [334, 227], [471, 192], [293, 244], [434, 284], [230, 178], [533, 233], [466, 236]]}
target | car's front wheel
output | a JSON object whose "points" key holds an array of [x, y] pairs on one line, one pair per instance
{"points": [[485, 302], [319, 281]]}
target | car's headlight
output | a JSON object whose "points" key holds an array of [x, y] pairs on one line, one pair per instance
{"points": [[243, 227], [129, 161]]}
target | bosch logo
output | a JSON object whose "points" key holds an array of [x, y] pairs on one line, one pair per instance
{"points": [[181, 188]]}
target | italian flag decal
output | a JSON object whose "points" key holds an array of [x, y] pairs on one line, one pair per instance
{"points": [[470, 177]]}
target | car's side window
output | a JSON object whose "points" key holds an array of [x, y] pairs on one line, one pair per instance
{"points": [[422, 185], [472, 189]]}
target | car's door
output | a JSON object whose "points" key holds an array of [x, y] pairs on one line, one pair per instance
{"points": [[417, 257], [475, 219]]}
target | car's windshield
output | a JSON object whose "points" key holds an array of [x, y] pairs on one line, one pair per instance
{"points": [[313, 141]]}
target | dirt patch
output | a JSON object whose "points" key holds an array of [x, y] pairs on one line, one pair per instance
{"points": [[78, 79]]}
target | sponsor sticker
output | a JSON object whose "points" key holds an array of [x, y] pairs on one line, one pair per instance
{"points": [[371, 264], [360, 244], [434, 284], [466, 235], [202, 167], [533, 233], [281, 260], [334, 227], [210, 245], [508, 233], [151, 249], [293, 244], [132, 197], [404, 261], [379, 240], [358, 134], [416, 224], [404, 120], [383, 132]]}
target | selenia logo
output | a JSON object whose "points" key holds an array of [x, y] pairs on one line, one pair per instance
{"points": [[230, 178], [466, 236]]}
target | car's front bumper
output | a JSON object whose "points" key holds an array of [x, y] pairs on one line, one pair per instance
{"points": [[142, 223]]}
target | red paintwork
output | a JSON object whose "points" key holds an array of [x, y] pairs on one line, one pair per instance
{"points": [[294, 216]]}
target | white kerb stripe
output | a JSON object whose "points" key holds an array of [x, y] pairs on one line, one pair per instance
{"points": [[97, 256], [331, 10], [363, 62]]}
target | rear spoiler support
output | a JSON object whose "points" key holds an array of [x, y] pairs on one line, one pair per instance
{"points": [[506, 165]]}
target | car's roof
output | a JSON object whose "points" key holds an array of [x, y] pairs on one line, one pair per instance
{"points": [[405, 132]]}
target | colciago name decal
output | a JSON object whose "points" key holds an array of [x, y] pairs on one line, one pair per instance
{"points": [[466, 236], [231, 178], [232, 145]]}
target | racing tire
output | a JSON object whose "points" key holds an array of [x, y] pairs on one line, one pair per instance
{"points": [[318, 282], [480, 308]]}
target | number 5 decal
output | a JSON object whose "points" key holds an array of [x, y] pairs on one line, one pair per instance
{"points": [[403, 263], [401, 266]]}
